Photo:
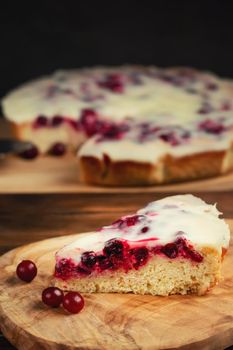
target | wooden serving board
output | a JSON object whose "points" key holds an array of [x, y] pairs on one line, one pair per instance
{"points": [[110, 321], [61, 175]]}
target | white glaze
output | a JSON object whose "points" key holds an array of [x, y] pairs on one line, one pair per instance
{"points": [[151, 99], [171, 217]]}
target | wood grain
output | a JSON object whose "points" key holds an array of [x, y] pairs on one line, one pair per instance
{"points": [[61, 175], [110, 321]]}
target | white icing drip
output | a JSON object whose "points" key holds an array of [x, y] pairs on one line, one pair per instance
{"points": [[169, 218]]}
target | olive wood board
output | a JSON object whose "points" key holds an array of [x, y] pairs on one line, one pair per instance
{"points": [[110, 321], [48, 174]]}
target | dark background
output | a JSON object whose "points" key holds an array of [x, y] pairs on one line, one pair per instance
{"points": [[39, 37]]}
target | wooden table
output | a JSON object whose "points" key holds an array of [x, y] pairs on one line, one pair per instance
{"points": [[27, 218]]}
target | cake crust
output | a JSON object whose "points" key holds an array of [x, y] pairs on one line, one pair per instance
{"points": [[168, 170]]}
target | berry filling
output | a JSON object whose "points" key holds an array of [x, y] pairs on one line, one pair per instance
{"points": [[126, 255], [112, 82]]}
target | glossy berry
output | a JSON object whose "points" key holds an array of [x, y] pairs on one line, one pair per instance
{"points": [[113, 247], [52, 296], [104, 262], [132, 220], [170, 250], [41, 121], [73, 302], [139, 256], [88, 259], [58, 149], [30, 153], [57, 120], [88, 121], [26, 270], [144, 229]]}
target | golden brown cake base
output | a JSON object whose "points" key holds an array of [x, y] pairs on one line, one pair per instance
{"points": [[167, 170], [160, 276]]}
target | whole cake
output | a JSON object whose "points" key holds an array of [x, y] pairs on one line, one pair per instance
{"points": [[137, 125], [172, 246]]}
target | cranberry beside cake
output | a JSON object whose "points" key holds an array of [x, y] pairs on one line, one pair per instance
{"points": [[137, 125], [172, 246]]}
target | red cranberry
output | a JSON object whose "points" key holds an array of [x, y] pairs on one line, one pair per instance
{"points": [[211, 126], [195, 256], [64, 268], [139, 256], [41, 121], [57, 120], [30, 153], [58, 149], [113, 247], [88, 121], [73, 302], [113, 82], [82, 270], [211, 86], [144, 229], [88, 259], [133, 220], [170, 137], [52, 296], [104, 262], [26, 270], [170, 250]]}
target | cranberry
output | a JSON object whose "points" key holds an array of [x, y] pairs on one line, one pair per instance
{"points": [[41, 121], [64, 268], [30, 153], [57, 120], [133, 220], [211, 126], [26, 270], [88, 259], [169, 137], [211, 86], [82, 270], [104, 262], [139, 256], [52, 296], [170, 250], [195, 256], [226, 106], [144, 229], [113, 247], [58, 149], [73, 302], [88, 121], [112, 82]]}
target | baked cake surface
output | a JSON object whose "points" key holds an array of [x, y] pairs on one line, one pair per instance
{"points": [[143, 122], [172, 246]]}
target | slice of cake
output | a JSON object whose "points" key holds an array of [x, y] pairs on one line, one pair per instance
{"points": [[172, 246]]}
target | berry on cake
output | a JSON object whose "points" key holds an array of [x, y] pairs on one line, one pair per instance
{"points": [[174, 245]]}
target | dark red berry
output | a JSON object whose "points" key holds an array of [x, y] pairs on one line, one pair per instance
{"points": [[104, 262], [73, 302], [30, 153], [132, 220], [144, 229], [58, 149], [26, 270], [194, 255], [211, 127], [52, 296], [57, 120], [211, 86], [170, 250], [88, 259], [83, 270], [41, 121], [113, 247], [113, 82], [139, 256], [88, 121]]}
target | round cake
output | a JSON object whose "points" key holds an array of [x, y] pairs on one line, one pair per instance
{"points": [[133, 125]]}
